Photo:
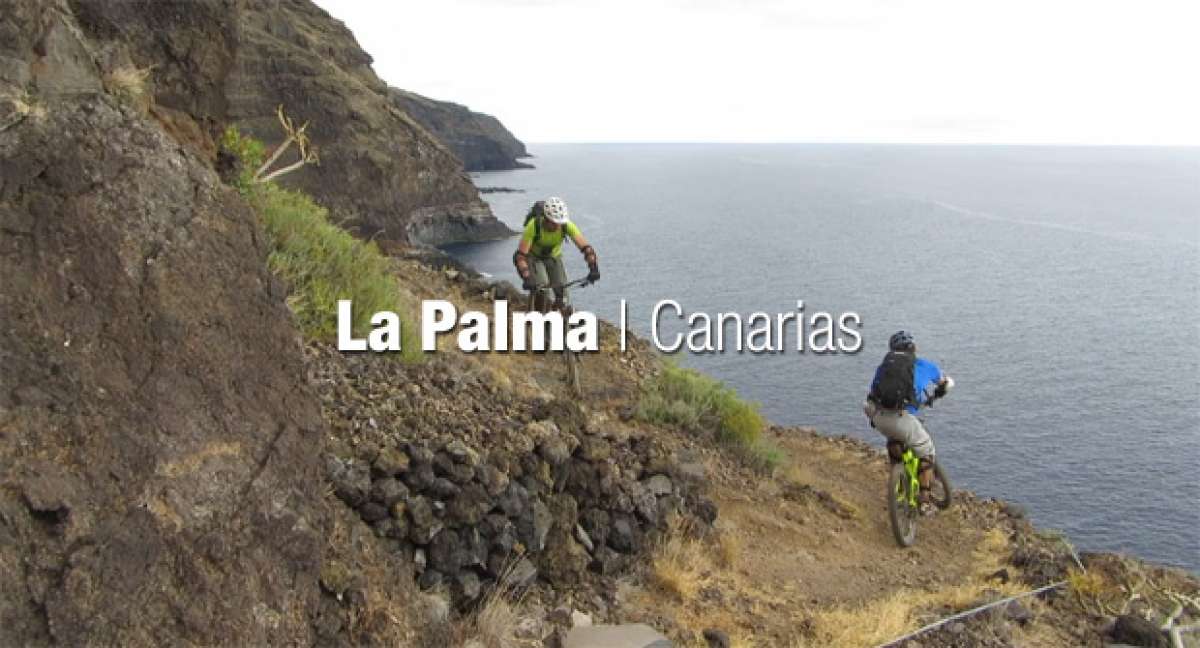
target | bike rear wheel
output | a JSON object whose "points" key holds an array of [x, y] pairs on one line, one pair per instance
{"points": [[901, 513]]}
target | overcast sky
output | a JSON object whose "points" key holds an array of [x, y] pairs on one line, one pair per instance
{"points": [[1001, 71]]}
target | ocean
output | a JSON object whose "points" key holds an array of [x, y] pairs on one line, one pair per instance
{"points": [[1058, 286]]}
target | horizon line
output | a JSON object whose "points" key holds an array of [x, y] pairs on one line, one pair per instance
{"points": [[856, 142]]}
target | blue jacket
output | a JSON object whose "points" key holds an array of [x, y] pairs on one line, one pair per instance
{"points": [[926, 376]]}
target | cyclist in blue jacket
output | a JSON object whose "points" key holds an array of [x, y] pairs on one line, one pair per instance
{"points": [[904, 383]]}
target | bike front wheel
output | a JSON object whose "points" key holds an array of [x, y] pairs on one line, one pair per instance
{"points": [[574, 381], [939, 489], [901, 513]]}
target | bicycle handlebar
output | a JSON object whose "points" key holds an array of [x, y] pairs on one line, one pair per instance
{"points": [[581, 282]]}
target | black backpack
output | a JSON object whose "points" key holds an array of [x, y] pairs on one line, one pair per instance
{"points": [[535, 213], [894, 389]]}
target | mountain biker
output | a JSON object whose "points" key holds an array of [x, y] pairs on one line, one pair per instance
{"points": [[903, 383], [539, 255]]}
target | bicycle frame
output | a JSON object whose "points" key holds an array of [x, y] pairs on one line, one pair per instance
{"points": [[581, 282], [911, 467]]}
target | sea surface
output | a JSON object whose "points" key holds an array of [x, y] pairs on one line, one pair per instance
{"points": [[1059, 286]]}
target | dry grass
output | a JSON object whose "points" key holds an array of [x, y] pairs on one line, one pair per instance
{"points": [[496, 622], [901, 611], [385, 613], [798, 474], [192, 462], [22, 107], [1115, 585], [28, 107], [868, 625], [729, 549], [681, 566], [493, 624], [382, 618], [128, 82], [1093, 591], [512, 371], [675, 565]]}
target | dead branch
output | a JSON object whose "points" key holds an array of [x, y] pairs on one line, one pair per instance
{"points": [[297, 136]]}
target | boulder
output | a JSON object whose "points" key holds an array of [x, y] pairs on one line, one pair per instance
{"points": [[446, 552], [390, 462], [522, 574], [423, 525], [388, 491], [1136, 631], [493, 479], [623, 535], [351, 479], [658, 485], [594, 448], [469, 506], [466, 586], [615, 636], [716, 638], [373, 512]]}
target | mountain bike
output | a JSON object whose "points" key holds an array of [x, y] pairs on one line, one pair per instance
{"points": [[574, 381], [904, 489]]}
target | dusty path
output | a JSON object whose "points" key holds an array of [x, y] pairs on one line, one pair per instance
{"points": [[816, 539], [847, 558]]}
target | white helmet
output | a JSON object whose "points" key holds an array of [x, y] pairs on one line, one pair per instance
{"points": [[556, 210]]}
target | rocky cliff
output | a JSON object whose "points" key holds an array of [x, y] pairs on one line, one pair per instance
{"points": [[157, 476], [479, 140], [211, 63]]}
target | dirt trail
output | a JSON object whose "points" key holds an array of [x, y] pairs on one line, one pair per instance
{"points": [[848, 558], [816, 538]]}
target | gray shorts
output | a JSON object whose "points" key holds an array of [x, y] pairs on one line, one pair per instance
{"points": [[899, 425], [550, 271]]}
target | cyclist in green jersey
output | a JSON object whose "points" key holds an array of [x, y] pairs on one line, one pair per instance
{"points": [[539, 255]]}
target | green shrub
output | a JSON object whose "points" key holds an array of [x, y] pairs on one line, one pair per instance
{"points": [[681, 397], [762, 455], [741, 423], [321, 262], [655, 408], [690, 399], [250, 154]]}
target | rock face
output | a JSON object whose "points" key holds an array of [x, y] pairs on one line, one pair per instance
{"points": [[479, 140], [216, 62], [158, 479]]}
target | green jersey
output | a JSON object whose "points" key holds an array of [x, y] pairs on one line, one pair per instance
{"points": [[548, 244]]}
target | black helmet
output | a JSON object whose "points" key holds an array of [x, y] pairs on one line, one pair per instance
{"points": [[901, 341]]}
